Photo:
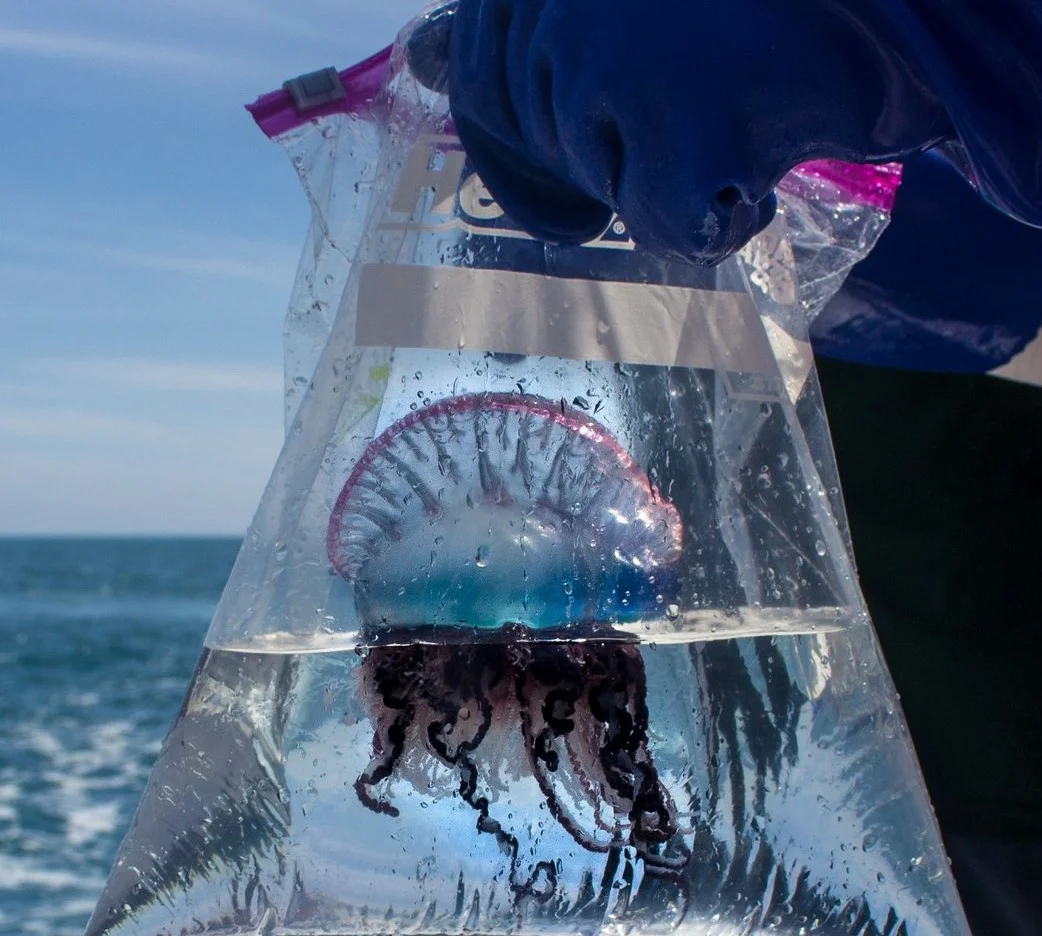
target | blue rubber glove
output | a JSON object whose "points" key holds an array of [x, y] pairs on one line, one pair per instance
{"points": [[952, 285], [681, 115]]}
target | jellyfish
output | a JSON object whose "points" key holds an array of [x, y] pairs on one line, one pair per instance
{"points": [[491, 509], [571, 715], [492, 542]]}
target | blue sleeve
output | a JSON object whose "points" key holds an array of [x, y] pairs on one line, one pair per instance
{"points": [[983, 60], [953, 285]]}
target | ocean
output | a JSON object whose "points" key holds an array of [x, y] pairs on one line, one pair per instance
{"points": [[98, 641]]}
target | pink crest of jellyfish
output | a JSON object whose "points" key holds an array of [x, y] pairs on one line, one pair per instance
{"points": [[504, 452]]}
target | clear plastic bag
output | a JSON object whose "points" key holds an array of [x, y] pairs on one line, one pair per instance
{"points": [[547, 621]]}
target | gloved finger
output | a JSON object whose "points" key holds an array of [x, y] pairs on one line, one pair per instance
{"points": [[680, 226], [535, 199], [489, 43], [427, 50]]}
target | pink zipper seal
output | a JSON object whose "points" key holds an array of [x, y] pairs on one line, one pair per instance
{"points": [[874, 186], [275, 113]]}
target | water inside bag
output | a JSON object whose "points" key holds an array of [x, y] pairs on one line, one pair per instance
{"points": [[750, 786]]}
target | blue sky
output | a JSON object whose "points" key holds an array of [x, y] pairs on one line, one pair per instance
{"points": [[149, 235]]}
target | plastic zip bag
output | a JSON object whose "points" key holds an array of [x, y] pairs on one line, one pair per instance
{"points": [[547, 621]]}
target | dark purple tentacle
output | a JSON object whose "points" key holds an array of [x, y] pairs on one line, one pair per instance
{"points": [[557, 710], [380, 768], [616, 694], [394, 675]]}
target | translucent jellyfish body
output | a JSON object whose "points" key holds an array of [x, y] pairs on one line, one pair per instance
{"points": [[489, 510]]}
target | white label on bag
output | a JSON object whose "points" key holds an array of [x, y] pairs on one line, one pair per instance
{"points": [[1025, 367], [433, 193], [460, 308]]}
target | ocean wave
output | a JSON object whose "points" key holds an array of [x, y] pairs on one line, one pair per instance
{"points": [[58, 607], [21, 873]]}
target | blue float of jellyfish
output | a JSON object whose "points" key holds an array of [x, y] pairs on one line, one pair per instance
{"points": [[490, 510]]}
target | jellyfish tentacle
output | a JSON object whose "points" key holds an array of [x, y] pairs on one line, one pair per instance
{"points": [[555, 668], [508, 844], [388, 749], [616, 695], [592, 790], [591, 700], [459, 679], [466, 678], [394, 678]]}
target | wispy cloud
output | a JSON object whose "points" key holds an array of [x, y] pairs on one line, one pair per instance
{"points": [[166, 376], [276, 271], [245, 38], [102, 241], [97, 50], [71, 425], [147, 244], [306, 19], [141, 446]]}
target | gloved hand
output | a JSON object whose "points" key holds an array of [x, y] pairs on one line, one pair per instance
{"points": [[680, 115]]}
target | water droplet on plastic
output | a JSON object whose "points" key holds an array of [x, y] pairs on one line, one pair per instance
{"points": [[673, 611], [819, 548], [281, 551], [481, 559]]}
